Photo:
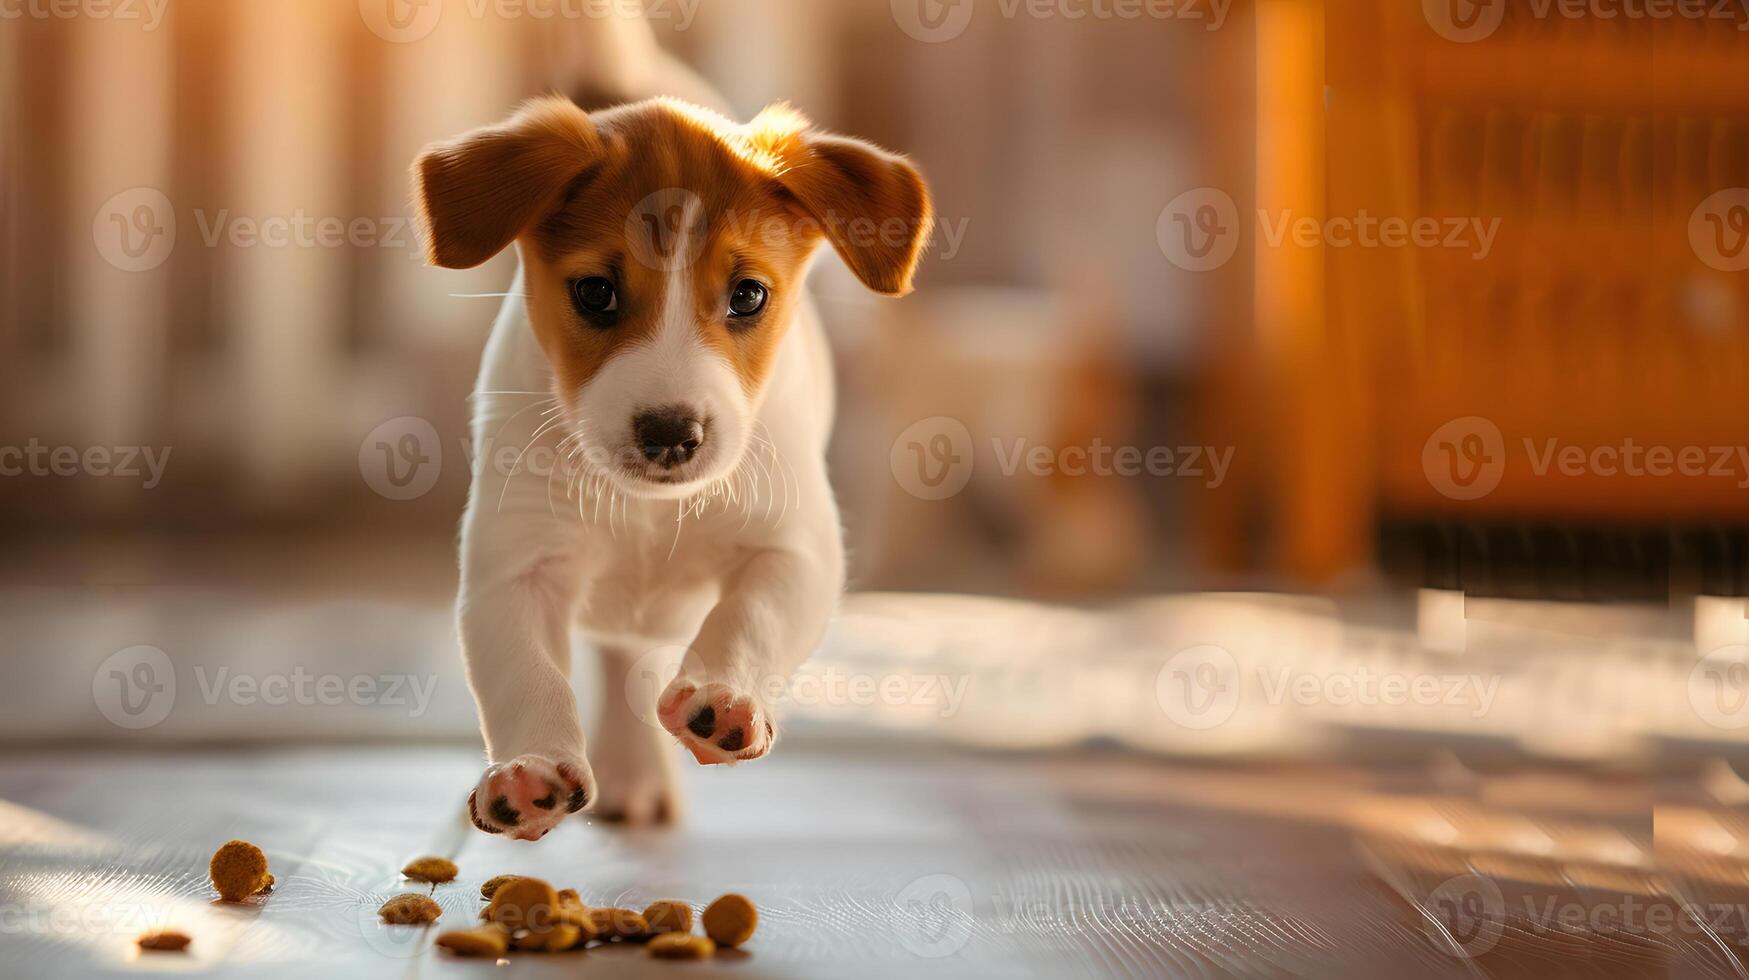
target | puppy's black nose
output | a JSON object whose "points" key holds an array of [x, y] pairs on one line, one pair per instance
{"points": [[668, 436]]}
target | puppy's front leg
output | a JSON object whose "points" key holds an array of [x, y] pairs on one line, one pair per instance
{"points": [[515, 618], [773, 611]]}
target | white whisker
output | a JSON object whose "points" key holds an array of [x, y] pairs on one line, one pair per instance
{"points": [[538, 432]]}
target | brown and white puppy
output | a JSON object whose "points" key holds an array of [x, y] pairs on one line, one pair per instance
{"points": [[660, 309]]}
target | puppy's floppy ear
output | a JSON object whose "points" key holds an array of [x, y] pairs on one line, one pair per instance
{"points": [[480, 190], [872, 205]]}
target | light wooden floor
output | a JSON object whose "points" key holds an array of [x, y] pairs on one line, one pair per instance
{"points": [[871, 861]]}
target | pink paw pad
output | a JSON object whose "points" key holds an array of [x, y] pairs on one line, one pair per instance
{"points": [[716, 724], [527, 796]]}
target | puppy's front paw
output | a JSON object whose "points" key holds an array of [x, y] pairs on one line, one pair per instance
{"points": [[715, 722], [529, 795]]}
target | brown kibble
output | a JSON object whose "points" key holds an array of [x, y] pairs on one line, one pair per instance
{"points": [[579, 920], [493, 884], [238, 870], [681, 946], [435, 870], [575, 913], [618, 924], [730, 920], [555, 939], [266, 885], [524, 903], [569, 896], [407, 910], [165, 940], [487, 940], [668, 915]]}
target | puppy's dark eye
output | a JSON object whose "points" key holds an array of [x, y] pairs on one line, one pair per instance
{"points": [[748, 298], [596, 298]]}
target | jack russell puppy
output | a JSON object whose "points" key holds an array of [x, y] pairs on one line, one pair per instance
{"points": [[660, 310]]}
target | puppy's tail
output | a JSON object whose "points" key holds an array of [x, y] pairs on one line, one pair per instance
{"points": [[604, 61]]}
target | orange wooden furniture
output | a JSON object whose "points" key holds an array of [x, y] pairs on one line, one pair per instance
{"points": [[1593, 321]]}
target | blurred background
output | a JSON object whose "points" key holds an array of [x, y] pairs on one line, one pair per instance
{"points": [[1341, 300], [1257, 340]]}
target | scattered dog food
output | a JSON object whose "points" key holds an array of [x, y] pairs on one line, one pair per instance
{"points": [[666, 915], [435, 870], [626, 924], [165, 940], [522, 913], [681, 946], [492, 884], [408, 910], [540, 919], [239, 870], [730, 920], [491, 940]]}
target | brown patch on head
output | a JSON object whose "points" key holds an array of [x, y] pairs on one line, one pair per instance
{"points": [[658, 195]]}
